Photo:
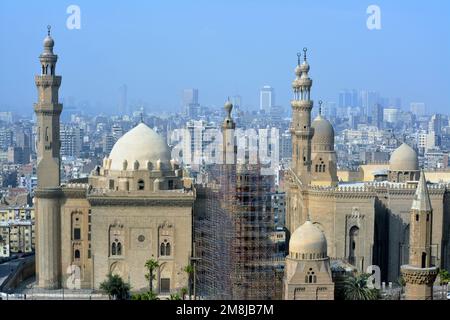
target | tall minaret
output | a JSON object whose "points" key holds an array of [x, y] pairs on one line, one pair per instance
{"points": [[48, 192], [301, 130], [419, 274]]}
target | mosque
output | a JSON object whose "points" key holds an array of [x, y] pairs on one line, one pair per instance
{"points": [[364, 223], [135, 207]]}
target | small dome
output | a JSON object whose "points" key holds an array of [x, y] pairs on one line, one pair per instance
{"points": [[404, 158], [139, 145], [304, 67], [308, 239], [298, 70], [48, 42], [323, 131]]}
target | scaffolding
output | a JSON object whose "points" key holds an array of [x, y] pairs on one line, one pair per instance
{"points": [[233, 230]]}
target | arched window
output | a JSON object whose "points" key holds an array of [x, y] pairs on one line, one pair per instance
{"points": [[141, 184], [113, 249], [119, 249], [77, 254], [317, 168], [417, 217], [167, 249], [314, 278], [162, 249], [46, 133], [424, 259], [324, 168], [310, 279], [353, 240]]}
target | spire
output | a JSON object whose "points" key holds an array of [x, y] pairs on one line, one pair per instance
{"points": [[304, 53], [421, 200], [49, 28], [320, 107], [299, 56]]}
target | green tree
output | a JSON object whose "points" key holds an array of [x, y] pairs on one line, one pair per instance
{"points": [[151, 266], [115, 287], [444, 277], [355, 288], [189, 269]]}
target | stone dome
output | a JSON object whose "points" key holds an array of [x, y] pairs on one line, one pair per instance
{"points": [[404, 158], [308, 239], [141, 144], [48, 42], [323, 131]]}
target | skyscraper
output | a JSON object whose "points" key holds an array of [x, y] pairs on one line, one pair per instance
{"points": [[266, 98], [417, 108], [190, 102]]}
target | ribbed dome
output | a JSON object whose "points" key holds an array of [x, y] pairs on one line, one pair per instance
{"points": [[308, 239], [404, 158], [323, 131], [140, 144]]}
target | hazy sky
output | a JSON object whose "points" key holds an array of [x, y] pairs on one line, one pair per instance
{"points": [[226, 47]]}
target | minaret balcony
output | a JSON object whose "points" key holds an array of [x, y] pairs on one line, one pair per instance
{"points": [[302, 105], [47, 80]]}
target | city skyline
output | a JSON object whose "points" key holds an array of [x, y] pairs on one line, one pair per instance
{"points": [[224, 62]]}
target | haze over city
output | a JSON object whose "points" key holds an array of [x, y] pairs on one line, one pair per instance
{"points": [[225, 48]]}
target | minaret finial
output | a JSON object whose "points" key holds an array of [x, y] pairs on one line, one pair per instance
{"points": [[305, 49], [299, 55], [320, 107], [49, 28], [142, 117]]}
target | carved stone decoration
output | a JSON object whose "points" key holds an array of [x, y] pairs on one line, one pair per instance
{"points": [[419, 275]]}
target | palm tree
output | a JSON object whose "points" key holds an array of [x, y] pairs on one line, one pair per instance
{"points": [[115, 287], [355, 288], [151, 265], [189, 269]]}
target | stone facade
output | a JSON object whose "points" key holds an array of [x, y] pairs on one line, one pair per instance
{"points": [[133, 208]]}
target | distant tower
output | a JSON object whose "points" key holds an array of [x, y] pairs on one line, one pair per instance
{"points": [[419, 274], [308, 274], [323, 156], [266, 99], [301, 130], [229, 145], [48, 192]]}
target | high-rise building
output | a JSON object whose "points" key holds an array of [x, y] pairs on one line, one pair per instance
{"points": [[266, 99], [190, 103], [391, 115], [418, 108]]}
